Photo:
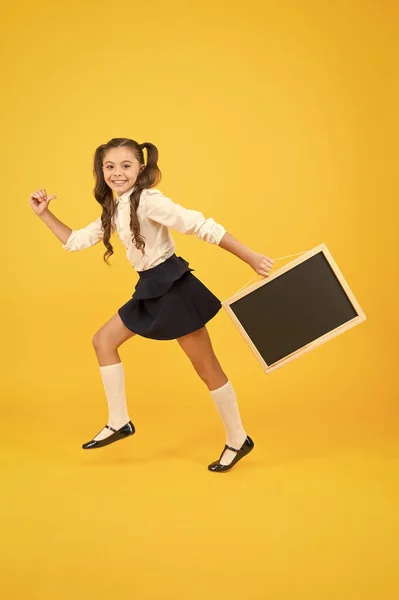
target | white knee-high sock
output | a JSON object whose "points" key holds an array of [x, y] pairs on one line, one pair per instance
{"points": [[113, 377], [226, 403]]}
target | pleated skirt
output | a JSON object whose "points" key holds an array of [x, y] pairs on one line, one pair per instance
{"points": [[169, 302]]}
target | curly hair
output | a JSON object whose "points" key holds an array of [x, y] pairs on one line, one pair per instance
{"points": [[148, 177]]}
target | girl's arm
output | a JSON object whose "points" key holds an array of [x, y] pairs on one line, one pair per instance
{"points": [[59, 228], [74, 239], [71, 239], [162, 209], [259, 262]]}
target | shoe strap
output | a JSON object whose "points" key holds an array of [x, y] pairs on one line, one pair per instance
{"points": [[230, 448], [111, 428], [227, 448]]}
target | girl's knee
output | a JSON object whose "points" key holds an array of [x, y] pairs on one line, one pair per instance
{"points": [[99, 340], [112, 334]]}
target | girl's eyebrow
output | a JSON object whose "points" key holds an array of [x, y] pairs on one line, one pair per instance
{"points": [[110, 161]]}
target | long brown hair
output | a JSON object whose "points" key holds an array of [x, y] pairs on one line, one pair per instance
{"points": [[148, 177]]}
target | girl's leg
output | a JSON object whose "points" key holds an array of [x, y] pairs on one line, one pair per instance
{"points": [[198, 347], [106, 341]]}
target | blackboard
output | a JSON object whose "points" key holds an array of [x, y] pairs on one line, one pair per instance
{"points": [[295, 309]]}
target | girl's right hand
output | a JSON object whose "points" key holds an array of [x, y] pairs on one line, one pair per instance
{"points": [[39, 201]]}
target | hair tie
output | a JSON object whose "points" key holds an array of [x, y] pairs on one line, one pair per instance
{"points": [[142, 146]]}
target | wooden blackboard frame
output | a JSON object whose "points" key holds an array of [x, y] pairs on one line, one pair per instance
{"points": [[317, 342]]}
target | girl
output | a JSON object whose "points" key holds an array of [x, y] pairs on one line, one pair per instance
{"points": [[169, 302]]}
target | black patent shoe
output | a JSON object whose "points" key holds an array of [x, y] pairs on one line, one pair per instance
{"points": [[247, 446], [118, 434]]}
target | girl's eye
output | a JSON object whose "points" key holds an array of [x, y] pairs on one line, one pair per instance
{"points": [[110, 166]]}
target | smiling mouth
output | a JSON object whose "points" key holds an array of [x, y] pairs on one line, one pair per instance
{"points": [[119, 182]]}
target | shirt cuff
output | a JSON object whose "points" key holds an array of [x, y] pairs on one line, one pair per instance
{"points": [[219, 233], [69, 244]]}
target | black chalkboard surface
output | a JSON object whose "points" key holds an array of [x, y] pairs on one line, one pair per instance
{"points": [[300, 306]]}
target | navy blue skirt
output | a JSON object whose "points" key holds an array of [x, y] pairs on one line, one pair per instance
{"points": [[169, 302]]}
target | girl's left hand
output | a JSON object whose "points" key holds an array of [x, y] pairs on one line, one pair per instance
{"points": [[261, 264]]}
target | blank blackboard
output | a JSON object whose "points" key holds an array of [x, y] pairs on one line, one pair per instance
{"points": [[298, 307]]}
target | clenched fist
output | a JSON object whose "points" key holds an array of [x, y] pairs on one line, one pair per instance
{"points": [[39, 201], [261, 264]]}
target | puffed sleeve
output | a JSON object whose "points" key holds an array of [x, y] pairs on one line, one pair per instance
{"points": [[163, 210], [85, 237]]}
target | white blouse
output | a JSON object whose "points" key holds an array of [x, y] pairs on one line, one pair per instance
{"points": [[156, 213]]}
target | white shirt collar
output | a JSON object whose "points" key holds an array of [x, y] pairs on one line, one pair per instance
{"points": [[124, 199]]}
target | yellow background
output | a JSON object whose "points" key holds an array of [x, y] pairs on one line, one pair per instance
{"points": [[279, 120]]}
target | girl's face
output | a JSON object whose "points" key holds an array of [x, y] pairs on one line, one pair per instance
{"points": [[121, 168]]}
